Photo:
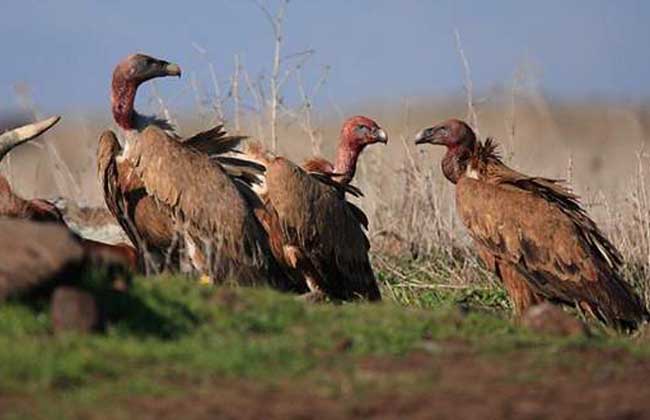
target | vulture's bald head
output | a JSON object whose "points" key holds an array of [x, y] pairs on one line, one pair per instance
{"points": [[138, 68], [127, 76], [459, 139], [452, 133], [359, 132]]}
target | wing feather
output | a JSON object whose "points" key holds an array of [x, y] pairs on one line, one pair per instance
{"points": [[222, 148]]}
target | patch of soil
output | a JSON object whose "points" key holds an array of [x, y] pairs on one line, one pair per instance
{"points": [[448, 380], [455, 384]]}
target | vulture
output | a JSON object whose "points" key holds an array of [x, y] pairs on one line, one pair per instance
{"points": [[532, 232], [38, 210], [316, 235], [171, 194], [150, 228]]}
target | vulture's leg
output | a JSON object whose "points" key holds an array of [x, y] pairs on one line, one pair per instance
{"points": [[519, 292], [197, 257], [521, 295], [296, 259]]}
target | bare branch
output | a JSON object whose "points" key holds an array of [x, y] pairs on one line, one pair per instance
{"points": [[277, 23], [235, 93], [471, 111]]}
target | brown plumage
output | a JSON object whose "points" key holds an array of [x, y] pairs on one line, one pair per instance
{"points": [[521, 294], [136, 212], [38, 210], [318, 164], [316, 234], [206, 207], [533, 232], [148, 227]]}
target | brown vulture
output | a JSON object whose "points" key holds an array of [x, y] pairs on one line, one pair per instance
{"points": [[533, 232], [317, 236], [172, 194], [207, 208], [150, 227], [39, 210]]}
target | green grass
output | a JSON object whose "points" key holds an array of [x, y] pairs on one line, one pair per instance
{"points": [[172, 332]]}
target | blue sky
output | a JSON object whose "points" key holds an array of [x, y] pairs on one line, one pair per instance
{"points": [[65, 49]]}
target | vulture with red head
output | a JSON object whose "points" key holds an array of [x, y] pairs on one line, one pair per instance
{"points": [[533, 232], [172, 194], [316, 234], [38, 210]]}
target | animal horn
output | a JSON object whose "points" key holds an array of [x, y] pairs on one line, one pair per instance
{"points": [[23, 134]]}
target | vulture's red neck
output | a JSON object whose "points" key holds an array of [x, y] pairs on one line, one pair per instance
{"points": [[122, 100], [347, 156], [454, 164]]}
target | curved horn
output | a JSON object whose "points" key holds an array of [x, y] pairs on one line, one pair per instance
{"points": [[23, 134]]}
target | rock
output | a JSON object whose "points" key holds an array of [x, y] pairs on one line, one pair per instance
{"points": [[33, 254], [74, 310], [547, 318]]}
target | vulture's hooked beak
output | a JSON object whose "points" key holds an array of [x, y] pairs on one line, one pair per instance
{"points": [[381, 136], [172, 69], [427, 135]]}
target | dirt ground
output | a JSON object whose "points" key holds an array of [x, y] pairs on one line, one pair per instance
{"points": [[453, 383]]}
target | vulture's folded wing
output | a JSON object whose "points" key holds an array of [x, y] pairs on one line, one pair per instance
{"points": [[107, 151], [547, 237], [315, 218], [202, 199]]}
